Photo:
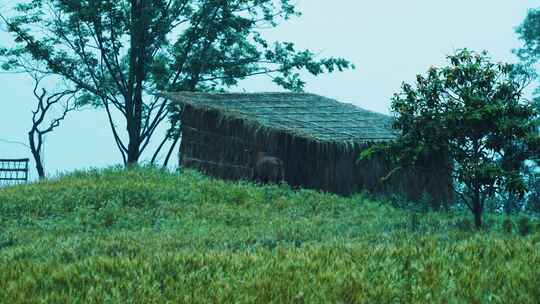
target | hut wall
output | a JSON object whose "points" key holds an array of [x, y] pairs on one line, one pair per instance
{"points": [[209, 148], [216, 145], [412, 183]]}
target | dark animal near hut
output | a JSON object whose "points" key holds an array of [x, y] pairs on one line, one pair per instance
{"points": [[268, 169]]}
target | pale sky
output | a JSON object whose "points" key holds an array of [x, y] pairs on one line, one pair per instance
{"points": [[389, 41]]}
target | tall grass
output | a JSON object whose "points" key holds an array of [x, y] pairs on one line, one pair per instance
{"points": [[148, 236]]}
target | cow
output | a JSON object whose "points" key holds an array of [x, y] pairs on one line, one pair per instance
{"points": [[267, 168]]}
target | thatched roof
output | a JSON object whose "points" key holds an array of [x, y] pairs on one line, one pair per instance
{"points": [[302, 114]]}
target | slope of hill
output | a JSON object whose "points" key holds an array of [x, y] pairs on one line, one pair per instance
{"points": [[148, 236]]}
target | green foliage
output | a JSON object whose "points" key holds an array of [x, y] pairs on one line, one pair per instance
{"points": [[470, 116], [149, 236], [508, 225], [123, 52], [529, 33], [524, 226], [415, 221], [533, 197], [464, 224]]}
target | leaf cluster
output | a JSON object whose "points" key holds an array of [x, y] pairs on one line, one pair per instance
{"points": [[188, 44], [529, 33], [121, 53], [472, 113]]}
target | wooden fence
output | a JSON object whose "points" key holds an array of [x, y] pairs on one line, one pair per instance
{"points": [[13, 171]]}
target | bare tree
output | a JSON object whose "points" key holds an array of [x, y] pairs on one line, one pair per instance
{"points": [[43, 119], [51, 107]]}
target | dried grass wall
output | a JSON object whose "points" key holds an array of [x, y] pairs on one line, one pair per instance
{"points": [[216, 144]]}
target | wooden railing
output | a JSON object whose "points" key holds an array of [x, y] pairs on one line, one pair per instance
{"points": [[13, 171]]}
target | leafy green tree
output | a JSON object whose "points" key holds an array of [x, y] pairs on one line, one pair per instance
{"points": [[529, 33], [533, 197], [472, 113], [122, 52]]}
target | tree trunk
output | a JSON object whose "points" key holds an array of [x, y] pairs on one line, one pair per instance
{"points": [[478, 219], [477, 209], [36, 154], [137, 76], [133, 146], [510, 204], [171, 149], [39, 168]]}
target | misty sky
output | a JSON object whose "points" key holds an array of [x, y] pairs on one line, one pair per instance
{"points": [[390, 41]]}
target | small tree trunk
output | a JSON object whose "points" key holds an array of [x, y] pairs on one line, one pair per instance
{"points": [[478, 219], [36, 154], [509, 204], [156, 153], [477, 209], [40, 170], [171, 149]]}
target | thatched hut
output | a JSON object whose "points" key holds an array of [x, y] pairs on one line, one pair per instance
{"points": [[319, 139]]}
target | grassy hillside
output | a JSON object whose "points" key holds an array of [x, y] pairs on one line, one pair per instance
{"points": [[146, 236]]}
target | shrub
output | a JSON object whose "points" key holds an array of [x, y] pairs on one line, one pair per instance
{"points": [[507, 225], [415, 221], [524, 226], [464, 224]]}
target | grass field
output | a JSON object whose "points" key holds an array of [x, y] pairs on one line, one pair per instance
{"points": [[147, 236]]}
